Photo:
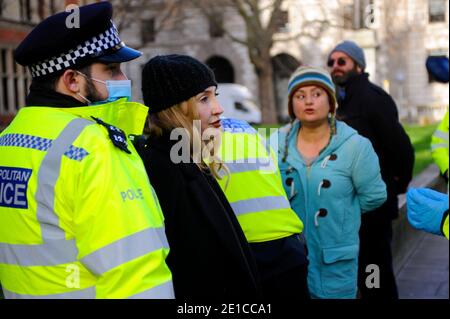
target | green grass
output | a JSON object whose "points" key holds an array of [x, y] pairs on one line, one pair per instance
{"points": [[421, 138]]}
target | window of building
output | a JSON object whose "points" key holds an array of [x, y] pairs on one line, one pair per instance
{"points": [[25, 10], [348, 15], [52, 7], [366, 14], [41, 9], [216, 29], [14, 83], [148, 30], [2, 7], [359, 15], [46, 8], [436, 10]]}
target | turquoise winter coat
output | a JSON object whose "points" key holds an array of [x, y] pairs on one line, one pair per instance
{"points": [[329, 197]]}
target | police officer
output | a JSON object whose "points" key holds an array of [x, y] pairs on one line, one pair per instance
{"points": [[255, 191], [78, 216], [427, 209], [438, 68], [439, 147]]}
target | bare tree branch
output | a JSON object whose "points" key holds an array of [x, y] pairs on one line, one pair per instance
{"points": [[121, 10], [126, 11], [261, 20], [267, 7], [259, 41], [210, 13], [239, 5], [276, 12]]}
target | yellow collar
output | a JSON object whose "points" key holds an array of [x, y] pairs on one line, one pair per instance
{"points": [[128, 116]]}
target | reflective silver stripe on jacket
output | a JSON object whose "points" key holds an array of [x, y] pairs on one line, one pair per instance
{"points": [[440, 145], [51, 253], [251, 164], [163, 291], [259, 204], [125, 250], [48, 175], [441, 135], [88, 293]]}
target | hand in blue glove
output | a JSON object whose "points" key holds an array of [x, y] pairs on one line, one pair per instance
{"points": [[425, 208]]}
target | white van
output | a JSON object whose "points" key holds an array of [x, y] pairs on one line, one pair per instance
{"points": [[238, 103]]}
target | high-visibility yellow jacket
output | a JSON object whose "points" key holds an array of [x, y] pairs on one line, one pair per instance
{"points": [[254, 187], [78, 216], [439, 145], [445, 226]]}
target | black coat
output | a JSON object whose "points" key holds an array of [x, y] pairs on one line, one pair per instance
{"points": [[373, 113], [209, 256]]}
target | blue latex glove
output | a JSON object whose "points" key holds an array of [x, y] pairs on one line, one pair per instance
{"points": [[425, 208]]}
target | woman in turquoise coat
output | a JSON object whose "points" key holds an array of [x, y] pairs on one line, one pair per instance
{"points": [[331, 176]]}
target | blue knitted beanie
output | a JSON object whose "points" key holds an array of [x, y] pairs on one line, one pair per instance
{"points": [[352, 50]]}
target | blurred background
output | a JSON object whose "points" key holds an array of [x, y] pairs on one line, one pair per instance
{"points": [[257, 44], [253, 46]]}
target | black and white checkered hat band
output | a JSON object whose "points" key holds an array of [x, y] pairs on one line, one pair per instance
{"points": [[102, 42]]}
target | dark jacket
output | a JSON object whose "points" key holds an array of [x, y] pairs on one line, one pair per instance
{"points": [[209, 255], [373, 113]]}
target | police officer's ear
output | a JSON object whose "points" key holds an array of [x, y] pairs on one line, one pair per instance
{"points": [[70, 82]]}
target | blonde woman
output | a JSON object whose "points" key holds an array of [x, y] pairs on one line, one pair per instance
{"points": [[209, 257]]}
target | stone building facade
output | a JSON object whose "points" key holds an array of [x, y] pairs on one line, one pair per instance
{"points": [[17, 18], [397, 36]]}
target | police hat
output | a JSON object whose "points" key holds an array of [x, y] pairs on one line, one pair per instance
{"points": [[437, 67], [57, 43]]}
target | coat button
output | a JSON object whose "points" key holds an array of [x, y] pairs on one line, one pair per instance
{"points": [[323, 212], [326, 183], [289, 181]]}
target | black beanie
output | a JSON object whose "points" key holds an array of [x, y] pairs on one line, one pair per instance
{"points": [[168, 80]]}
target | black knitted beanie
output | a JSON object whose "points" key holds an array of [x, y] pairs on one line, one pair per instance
{"points": [[168, 80]]}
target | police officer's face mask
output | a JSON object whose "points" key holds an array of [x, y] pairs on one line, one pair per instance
{"points": [[117, 89]]}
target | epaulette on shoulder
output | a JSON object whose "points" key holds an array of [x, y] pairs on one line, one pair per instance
{"points": [[237, 126], [117, 136]]}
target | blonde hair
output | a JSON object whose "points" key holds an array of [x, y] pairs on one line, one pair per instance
{"points": [[183, 115]]}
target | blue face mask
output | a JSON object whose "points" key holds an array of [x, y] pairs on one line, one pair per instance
{"points": [[117, 89]]}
